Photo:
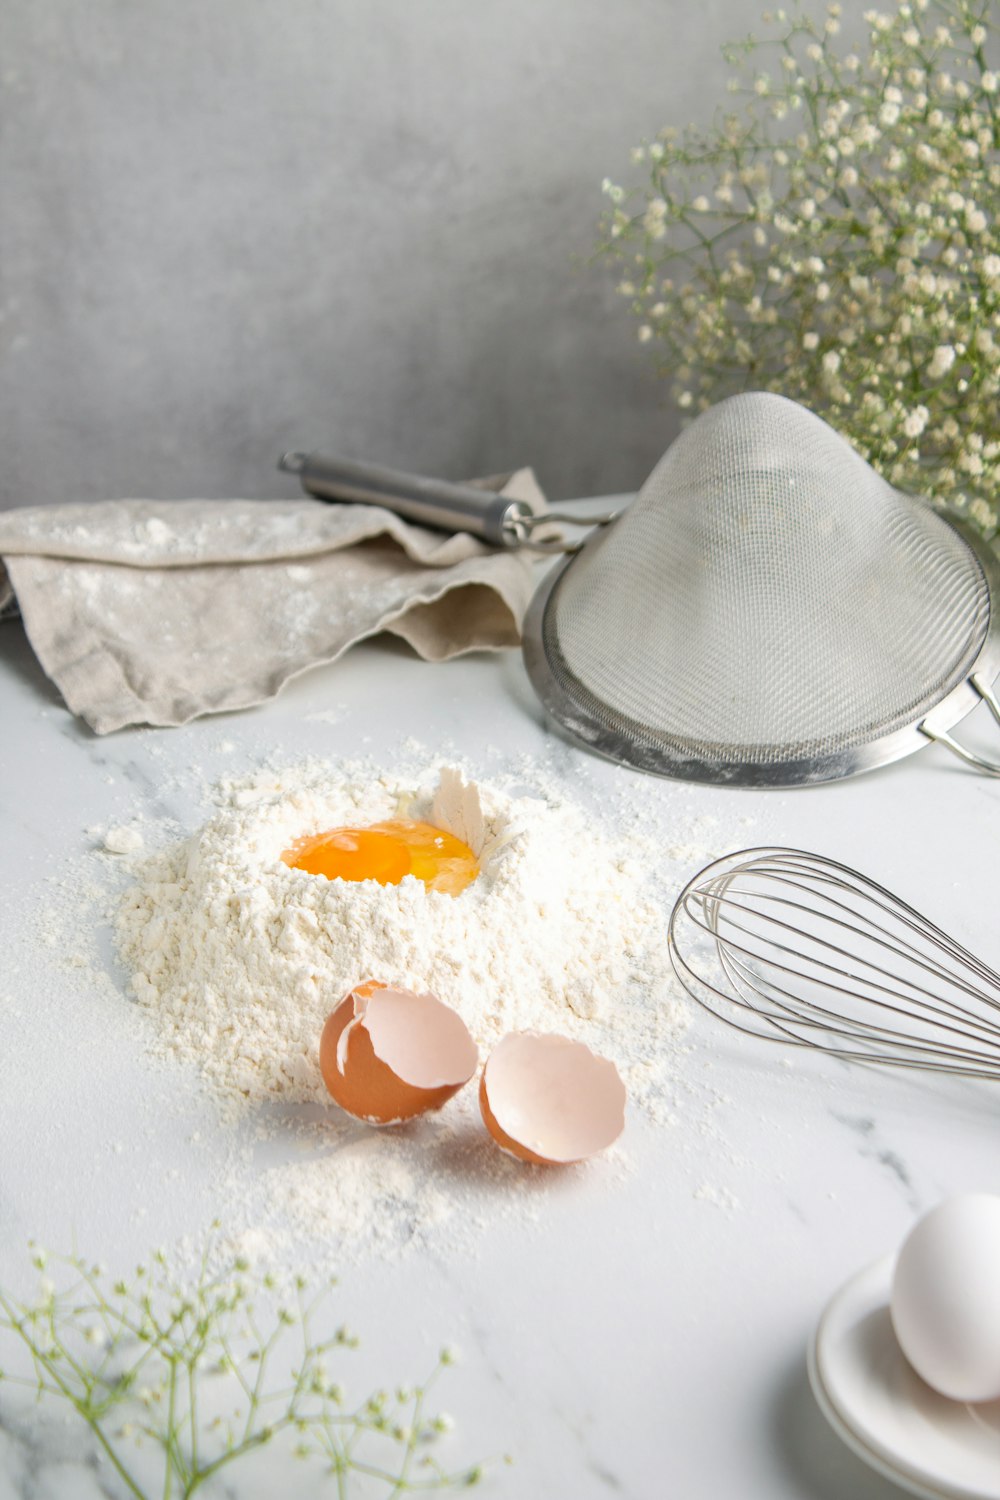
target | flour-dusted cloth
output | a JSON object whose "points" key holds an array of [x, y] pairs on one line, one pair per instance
{"points": [[149, 612]]}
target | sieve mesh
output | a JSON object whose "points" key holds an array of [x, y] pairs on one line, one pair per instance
{"points": [[767, 597]]}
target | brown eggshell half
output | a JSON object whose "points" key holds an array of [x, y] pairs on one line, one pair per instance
{"points": [[550, 1100], [388, 1054]]}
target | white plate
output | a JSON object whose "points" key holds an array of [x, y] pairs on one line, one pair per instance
{"points": [[879, 1406]]}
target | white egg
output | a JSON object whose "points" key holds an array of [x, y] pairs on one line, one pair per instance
{"points": [[946, 1297]]}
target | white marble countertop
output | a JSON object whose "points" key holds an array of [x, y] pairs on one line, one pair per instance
{"points": [[647, 1338]]}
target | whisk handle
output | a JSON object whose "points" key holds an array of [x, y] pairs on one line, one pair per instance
{"points": [[495, 519]]}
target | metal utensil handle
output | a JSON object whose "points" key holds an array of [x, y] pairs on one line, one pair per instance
{"points": [[981, 763], [430, 502]]}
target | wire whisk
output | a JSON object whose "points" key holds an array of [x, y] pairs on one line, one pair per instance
{"points": [[796, 948]]}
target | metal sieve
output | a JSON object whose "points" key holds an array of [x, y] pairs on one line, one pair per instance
{"points": [[768, 612]]}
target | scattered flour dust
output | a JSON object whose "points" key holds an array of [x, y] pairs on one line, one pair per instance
{"points": [[238, 959]]}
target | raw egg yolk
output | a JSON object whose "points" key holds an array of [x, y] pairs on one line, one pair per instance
{"points": [[386, 852]]}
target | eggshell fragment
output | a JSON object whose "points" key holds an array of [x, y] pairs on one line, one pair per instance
{"points": [[549, 1100], [387, 1054]]}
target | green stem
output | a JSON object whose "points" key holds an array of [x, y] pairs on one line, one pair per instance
{"points": [[16, 1326], [174, 1463], [192, 1389]]}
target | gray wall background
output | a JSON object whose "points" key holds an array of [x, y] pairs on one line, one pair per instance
{"points": [[230, 227]]}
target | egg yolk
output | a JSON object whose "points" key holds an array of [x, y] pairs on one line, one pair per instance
{"points": [[386, 852]]}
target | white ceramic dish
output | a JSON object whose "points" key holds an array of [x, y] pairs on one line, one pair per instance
{"points": [[879, 1406]]}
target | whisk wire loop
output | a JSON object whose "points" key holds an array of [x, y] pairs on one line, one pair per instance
{"points": [[874, 896], [884, 942], [795, 947], [808, 1014]]}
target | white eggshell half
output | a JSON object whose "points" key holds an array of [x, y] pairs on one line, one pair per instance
{"points": [[554, 1096], [945, 1302]]}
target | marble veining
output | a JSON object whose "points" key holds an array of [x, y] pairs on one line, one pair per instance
{"points": [[643, 1344]]}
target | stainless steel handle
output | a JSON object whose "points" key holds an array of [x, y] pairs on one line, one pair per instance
{"points": [[430, 502], [988, 767]]}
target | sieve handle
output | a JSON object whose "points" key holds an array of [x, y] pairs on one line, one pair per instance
{"points": [[430, 502], [981, 763]]}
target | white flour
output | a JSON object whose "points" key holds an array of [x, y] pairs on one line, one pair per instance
{"points": [[239, 959]]}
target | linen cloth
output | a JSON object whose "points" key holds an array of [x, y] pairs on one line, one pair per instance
{"points": [[155, 612]]}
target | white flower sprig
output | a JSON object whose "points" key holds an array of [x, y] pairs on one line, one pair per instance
{"points": [[178, 1382], [836, 239]]}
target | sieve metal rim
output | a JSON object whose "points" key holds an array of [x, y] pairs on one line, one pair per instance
{"points": [[657, 759]]}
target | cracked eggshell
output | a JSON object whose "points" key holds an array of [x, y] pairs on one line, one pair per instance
{"points": [[550, 1100], [388, 1054]]}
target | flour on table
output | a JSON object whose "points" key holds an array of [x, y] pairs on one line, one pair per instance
{"points": [[239, 959], [122, 840]]}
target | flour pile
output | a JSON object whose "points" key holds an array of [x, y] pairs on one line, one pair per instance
{"points": [[240, 958]]}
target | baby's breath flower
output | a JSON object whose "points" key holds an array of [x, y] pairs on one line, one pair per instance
{"points": [[853, 263], [148, 1390], [941, 361], [915, 421]]}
